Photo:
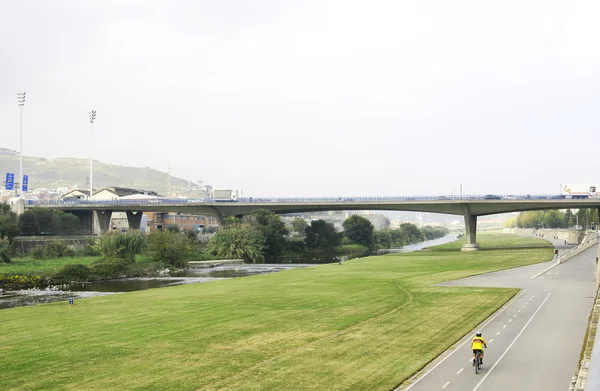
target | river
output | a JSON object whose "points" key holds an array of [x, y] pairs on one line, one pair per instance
{"points": [[29, 297]]}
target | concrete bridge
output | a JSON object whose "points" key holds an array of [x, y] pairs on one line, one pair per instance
{"points": [[98, 213]]}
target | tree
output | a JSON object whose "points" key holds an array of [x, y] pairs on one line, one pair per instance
{"points": [[299, 225], [383, 238], [273, 230], [410, 233], [321, 235], [236, 241], [170, 247], [9, 225], [359, 230], [42, 221]]}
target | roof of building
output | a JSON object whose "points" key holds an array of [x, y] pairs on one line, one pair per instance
{"points": [[85, 192], [125, 191]]}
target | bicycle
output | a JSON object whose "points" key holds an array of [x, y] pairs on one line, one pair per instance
{"points": [[477, 362]]}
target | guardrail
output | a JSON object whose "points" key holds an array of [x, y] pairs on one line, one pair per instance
{"points": [[302, 199]]}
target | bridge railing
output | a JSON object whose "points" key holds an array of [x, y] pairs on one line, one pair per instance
{"points": [[149, 201]]}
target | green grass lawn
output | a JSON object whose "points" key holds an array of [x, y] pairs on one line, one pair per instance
{"points": [[365, 325], [490, 241]]}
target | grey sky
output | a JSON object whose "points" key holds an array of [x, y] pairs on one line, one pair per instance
{"points": [[312, 97]]}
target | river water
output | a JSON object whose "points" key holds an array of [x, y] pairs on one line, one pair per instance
{"points": [[12, 299]]}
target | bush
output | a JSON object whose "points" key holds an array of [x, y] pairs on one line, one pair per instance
{"points": [[19, 281], [121, 245], [54, 249], [72, 273], [111, 267], [59, 249], [5, 250], [91, 248], [39, 252], [170, 247], [238, 241]]}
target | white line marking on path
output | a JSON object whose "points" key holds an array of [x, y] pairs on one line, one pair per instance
{"points": [[465, 341], [519, 311], [498, 333], [512, 343], [445, 385], [510, 320], [515, 316], [461, 369], [491, 340], [504, 326]]}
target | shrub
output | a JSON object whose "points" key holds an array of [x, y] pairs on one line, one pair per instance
{"points": [[170, 247], [72, 273], [39, 252], [59, 249], [238, 241], [121, 245], [19, 281], [91, 248], [5, 250], [111, 267], [53, 249]]}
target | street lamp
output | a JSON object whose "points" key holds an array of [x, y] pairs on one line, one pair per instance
{"points": [[21, 103], [92, 119]]}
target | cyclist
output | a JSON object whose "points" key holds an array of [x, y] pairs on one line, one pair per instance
{"points": [[477, 344]]}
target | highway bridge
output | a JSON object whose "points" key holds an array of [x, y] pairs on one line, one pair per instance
{"points": [[98, 212]]}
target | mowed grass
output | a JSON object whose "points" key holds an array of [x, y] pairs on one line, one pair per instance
{"points": [[491, 241], [365, 325]]}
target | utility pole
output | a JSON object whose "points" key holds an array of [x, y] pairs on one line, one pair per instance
{"points": [[92, 119], [21, 103]]}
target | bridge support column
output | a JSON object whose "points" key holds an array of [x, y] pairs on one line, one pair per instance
{"points": [[134, 219], [101, 221], [470, 231], [219, 216]]}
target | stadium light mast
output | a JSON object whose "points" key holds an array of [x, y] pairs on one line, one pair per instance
{"points": [[92, 119], [21, 103]]}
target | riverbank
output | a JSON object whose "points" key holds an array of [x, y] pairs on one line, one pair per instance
{"points": [[359, 325]]}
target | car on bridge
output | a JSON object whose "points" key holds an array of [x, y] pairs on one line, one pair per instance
{"points": [[492, 197]]}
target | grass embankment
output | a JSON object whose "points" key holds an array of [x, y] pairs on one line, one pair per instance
{"points": [[365, 325]]}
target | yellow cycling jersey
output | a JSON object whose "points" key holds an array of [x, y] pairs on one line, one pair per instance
{"points": [[478, 343]]}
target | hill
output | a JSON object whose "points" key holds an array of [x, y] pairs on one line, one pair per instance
{"points": [[68, 172]]}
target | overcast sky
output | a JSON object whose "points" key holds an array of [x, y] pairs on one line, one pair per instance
{"points": [[312, 97]]}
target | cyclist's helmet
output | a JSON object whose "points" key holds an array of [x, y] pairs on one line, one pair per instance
{"points": [[478, 334]]}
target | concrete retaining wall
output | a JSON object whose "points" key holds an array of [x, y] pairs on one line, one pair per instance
{"points": [[572, 236]]}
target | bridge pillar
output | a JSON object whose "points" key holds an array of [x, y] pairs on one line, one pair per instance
{"points": [[86, 218], [470, 231], [101, 222], [134, 219]]}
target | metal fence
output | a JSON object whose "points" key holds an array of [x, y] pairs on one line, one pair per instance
{"points": [[151, 201]]}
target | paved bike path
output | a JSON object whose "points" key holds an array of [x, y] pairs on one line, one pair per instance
{"points": [[534, 342]]}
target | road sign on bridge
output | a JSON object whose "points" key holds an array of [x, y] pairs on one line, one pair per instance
{"points": [[10, 181]]}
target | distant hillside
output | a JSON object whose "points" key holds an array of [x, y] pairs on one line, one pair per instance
{"points": [[68, 172]]}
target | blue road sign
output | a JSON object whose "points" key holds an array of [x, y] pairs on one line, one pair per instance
{"points": [[10, 181], [25, 182]]}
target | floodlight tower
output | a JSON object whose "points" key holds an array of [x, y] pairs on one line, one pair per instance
{"points": [[21, 103], [92, 119]]}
